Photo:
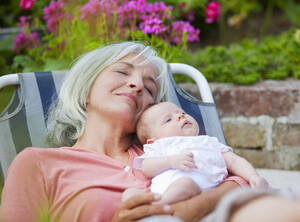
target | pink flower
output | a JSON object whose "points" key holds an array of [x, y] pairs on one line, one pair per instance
{"points": [[212, 12], [179, 27], [23, 22], [157, 10], [96, 7], [185, 13], [26, 4], [153, 26], [25, 41], [53, 14], [131, 10]]}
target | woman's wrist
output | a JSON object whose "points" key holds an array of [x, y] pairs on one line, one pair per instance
{"points": [[208, 200], [201, 205]]}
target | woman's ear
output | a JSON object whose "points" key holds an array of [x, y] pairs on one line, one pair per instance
{"points": [[149, 141], [87, 102]]}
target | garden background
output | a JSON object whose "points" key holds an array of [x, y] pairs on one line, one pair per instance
{"points": [[249, 51]]}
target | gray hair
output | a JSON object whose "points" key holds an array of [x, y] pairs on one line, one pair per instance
{"points": [[67, 116]]}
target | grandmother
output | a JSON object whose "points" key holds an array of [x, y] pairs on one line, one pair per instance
{"points": [[93, 124]]}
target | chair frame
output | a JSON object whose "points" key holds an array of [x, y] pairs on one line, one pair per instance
{"points": [[176, 68]]}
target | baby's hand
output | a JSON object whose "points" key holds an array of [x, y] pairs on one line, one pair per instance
{"points": [[259, 182], [183, 161]]}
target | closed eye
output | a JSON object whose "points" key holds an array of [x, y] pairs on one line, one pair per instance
{"points": [[149, 91], [122, 72], [168, 120]]}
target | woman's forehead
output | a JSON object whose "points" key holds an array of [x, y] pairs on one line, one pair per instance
{"points": [[138, 61]]}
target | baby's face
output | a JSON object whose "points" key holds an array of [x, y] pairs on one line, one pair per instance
{"points": [[166, 119]]}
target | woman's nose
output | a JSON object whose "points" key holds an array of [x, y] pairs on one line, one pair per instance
{"points": [[136, 84]]}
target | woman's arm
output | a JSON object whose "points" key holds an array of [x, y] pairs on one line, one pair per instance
{"points": [[24, 197], [153, 166], [199, 206], [140, 206]]}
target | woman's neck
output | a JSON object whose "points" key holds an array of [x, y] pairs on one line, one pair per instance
{"points": [[106, 137]]}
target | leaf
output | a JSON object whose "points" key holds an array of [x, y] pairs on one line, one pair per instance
{"points": [[56, 64]]}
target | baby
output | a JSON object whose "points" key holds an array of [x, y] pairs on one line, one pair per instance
{"points": [[181, 163]]}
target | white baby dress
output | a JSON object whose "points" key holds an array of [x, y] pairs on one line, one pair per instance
{"points": [[208, 157]]}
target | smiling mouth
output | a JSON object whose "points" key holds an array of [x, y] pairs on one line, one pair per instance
{"points": [[130, 96]]}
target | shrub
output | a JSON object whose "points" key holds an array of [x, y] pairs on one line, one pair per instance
{"points": [[249, 61]]}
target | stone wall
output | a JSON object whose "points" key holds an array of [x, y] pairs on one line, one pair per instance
{"points": [[261, 122]]}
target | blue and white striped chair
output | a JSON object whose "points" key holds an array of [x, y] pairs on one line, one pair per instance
{"points": [[22, 123]]}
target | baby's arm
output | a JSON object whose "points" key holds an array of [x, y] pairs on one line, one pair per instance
{"points": [[241, 167], [153, 166]]}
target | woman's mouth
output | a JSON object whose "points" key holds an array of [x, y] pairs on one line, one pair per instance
{"points": [[130, 96]]}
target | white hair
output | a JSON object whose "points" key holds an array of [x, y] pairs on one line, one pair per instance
{"points": [[67, 116]]}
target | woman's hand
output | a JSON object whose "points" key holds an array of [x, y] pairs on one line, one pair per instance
{"points": [[140, 206], [192, 210]]}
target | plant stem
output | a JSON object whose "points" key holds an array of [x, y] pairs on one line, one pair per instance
{"points": [[268, 16]]}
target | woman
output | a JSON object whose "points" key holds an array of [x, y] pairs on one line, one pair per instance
{"points": [[93, 123]]}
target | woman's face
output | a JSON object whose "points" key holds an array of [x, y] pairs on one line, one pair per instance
{"points": [[123, 90]]}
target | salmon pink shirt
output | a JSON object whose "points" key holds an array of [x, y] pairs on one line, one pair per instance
{"points": [[73, 185]]}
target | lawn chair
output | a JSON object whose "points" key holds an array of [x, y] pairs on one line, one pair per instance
{"points": [[22, 123]]}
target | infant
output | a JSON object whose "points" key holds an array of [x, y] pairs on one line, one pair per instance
{"points": [[181, 163]]}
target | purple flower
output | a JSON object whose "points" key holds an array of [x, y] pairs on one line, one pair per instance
{"points": [[179, 27], [157, 10], [153, 26], [26, 4], [23, 22], [185, 12], [25, 41], [54, 13], [212, 12], [95, 7], [131, 10]]}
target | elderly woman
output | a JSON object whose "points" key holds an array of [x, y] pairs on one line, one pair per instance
{"points": [[94, 123]]}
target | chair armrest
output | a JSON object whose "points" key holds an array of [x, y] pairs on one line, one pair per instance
{"points": [[195, 74], [11, 79]]}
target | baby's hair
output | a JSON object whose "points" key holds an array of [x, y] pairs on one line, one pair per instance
{"points": [[141, 128]]}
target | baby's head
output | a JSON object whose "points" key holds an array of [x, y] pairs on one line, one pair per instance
{"points": [[164, 120]]}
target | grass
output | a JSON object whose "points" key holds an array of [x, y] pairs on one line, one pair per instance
{"points": [[5, 96]]}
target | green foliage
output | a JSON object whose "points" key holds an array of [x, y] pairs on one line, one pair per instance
{"points": [[10, 11], [169, 52], [76, 37], [250, 61], [5, 96], [7, 55], [292, 9]]}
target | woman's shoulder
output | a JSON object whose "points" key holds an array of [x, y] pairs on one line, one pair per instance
{"points": [[36, 154], [38, 150]]}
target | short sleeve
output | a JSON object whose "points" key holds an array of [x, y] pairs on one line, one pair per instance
{"points": [[225, 148], [150, 150], [24, 193], [220, 146]]}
